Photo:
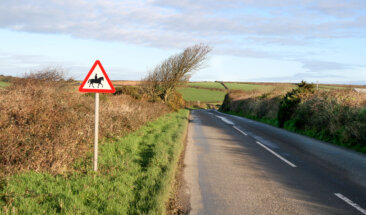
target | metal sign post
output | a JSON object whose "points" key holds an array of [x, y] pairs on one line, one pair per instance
{"points": [[96, 81], [96, 128]]}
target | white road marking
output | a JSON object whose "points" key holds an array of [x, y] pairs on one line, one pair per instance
{"points": [[225, 120], [240, 131], [348, 201], [277, 155]]}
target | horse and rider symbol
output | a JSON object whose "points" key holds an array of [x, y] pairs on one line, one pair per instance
{"points": [[96, 80]]}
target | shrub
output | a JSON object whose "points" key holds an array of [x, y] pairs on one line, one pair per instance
{"points": [[176, 101], [289, 103]]}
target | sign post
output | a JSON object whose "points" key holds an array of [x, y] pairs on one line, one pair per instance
{"points": [[96, 81], [96, 129]]}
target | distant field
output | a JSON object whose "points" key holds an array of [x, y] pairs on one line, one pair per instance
{"points": [[332, 87], [202, 95], [126, 83], [4, 84], [206, 85], [246, 87]]}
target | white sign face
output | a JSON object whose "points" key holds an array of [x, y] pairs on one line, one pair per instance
{"points": [[97, 80]]}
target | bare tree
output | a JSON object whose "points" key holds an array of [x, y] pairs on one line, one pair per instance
{"points": [[177, 69]]}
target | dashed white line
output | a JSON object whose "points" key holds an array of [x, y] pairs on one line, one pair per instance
{"points": [[348, 201], [236, 128], [277, 155], [268, 149], [225, 120]]}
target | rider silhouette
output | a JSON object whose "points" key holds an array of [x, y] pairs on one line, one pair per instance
{"points": [[96, 76]]}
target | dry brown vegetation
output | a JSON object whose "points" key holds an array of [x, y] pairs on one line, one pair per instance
{"points": [[258, 103], [127, 83], [47, 125]]}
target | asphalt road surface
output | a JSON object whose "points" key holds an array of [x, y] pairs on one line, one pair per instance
{"points": [[235, 165]]}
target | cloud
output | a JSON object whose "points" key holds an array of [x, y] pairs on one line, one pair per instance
{"points": [[177, 23], [18, 65], [309, 77], [320, 66]]}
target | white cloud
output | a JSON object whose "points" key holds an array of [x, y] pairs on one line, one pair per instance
{"points": [[319, 66], [170, 23], [233, 27]]}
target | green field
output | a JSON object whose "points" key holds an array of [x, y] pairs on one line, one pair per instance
{"points": [[4, 84], [135, 177], [202, 95], [247, 87], [214, 85]]}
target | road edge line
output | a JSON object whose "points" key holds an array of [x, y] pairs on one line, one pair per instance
{"points": [[236, 128]]}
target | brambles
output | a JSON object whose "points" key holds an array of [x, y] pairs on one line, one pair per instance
{"points": [[336, 116], [46, 124]]}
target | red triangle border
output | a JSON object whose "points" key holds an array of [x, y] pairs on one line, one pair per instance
{"points": [[81, 89]]}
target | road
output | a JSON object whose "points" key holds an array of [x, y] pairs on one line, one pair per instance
{"points": [[235, 165]]}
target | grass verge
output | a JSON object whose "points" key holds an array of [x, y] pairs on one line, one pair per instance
{"points": [[135, 176]]}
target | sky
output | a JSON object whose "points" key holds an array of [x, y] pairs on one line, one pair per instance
{"points": [[252, 40]]}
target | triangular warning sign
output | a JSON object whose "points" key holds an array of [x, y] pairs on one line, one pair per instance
{"points": [[97, 81]]}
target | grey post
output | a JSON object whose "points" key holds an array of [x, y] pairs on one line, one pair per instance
{"points": [[96, 132]]}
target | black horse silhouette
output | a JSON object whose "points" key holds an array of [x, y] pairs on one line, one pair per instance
{"points": [[96, 81]]}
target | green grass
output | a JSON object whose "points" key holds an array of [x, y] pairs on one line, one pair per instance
{"points": [[247, 87], [202, 95], [135, 176], [214, 85], [4, 84]]}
